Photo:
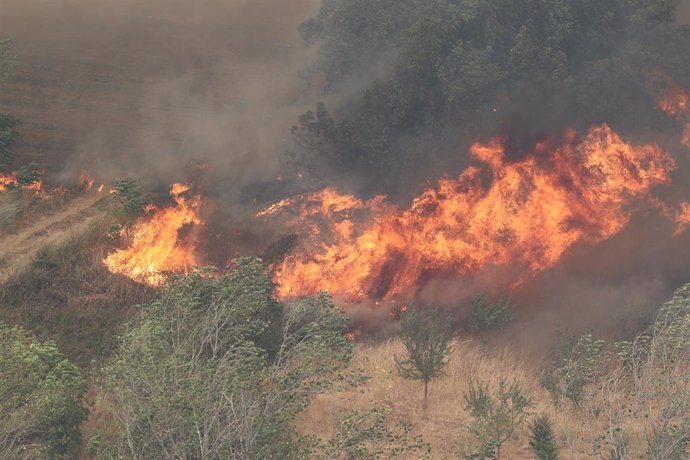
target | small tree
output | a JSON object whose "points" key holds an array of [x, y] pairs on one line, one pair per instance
{"points": [[542, 439], [495, 418], [571, 365], [486, 315], [427, 340]]}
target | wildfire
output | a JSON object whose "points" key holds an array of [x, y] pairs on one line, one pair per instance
{"points": [[163, 243], [529, 214], [675, 102], [682, 218], [10, 181]]}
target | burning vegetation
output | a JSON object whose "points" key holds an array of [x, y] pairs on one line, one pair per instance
{"points": [[164, 241], [526, 217]]}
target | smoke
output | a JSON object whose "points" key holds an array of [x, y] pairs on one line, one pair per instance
{"points": [[129, 88], [684, 12]]}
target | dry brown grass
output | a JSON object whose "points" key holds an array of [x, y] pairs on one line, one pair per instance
{"points": [[445, 422]]}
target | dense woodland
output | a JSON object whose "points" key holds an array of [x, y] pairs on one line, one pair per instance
{"points": [[212, 365]]}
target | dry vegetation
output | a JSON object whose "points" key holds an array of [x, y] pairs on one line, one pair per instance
{"points": [[445, 423]]}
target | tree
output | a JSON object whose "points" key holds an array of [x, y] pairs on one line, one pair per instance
{"points": [[417, 79], [217, 368], [495, 418], [40, 398], [572, 365], [542, 439], [427, 340]]}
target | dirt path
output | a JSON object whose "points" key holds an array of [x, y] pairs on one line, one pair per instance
{"points": [[18, 249]]}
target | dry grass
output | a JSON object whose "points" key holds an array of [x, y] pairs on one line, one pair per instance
{"points": [[445, 422]]}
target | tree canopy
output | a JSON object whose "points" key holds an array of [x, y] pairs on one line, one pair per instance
{"points": [[410, 81], [217, 368], [40, 398]]}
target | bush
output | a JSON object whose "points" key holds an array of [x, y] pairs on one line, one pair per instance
{"points": [[542, 439], [571, 365], [485, 315], [496, 417], [40, 398], [131, 196]]}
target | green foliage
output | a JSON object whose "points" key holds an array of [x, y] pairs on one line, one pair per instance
{"points": [[485, 315], [131, 196], [28, 174], [67, 295], [572, 364], [411, 73], [496, 417], [366, 435], [8, 136], [427, 340], [40, 397], [6, 58], [542, 439], [216, 367]]}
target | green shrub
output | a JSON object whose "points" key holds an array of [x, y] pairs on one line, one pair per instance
{"points": [[486, 315], [542, 439], [40, 397]]}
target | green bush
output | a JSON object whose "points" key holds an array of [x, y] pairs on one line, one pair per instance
{"points": [[542, 439], [486, 315], [40, 397], [496, 417]]}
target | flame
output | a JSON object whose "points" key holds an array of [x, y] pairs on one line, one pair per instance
{"points": [[8, 181], [157, 246], [675, 102], [85, 181], [529, 214], [682, 218]]}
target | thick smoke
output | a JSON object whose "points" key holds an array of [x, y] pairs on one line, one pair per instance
{"points": [[130, 88]]}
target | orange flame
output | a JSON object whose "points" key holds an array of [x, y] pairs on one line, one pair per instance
{"points": [[85, 181], [157, 244], [682, 218], [8, 181], [532, 211], [675, 102]]}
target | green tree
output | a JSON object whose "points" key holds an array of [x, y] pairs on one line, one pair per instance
{"points": [[496, 418], [427, 340], [413, 74], [572, 365], [542, 439], [217, 368], [40, 398]]}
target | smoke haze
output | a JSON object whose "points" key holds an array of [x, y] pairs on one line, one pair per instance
{"points": [[128, 88]]}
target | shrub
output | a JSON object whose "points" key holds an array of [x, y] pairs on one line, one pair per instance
{"points": [[542, 439], [496, 417], [427, 340], [40, 398], [486, 315]]}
